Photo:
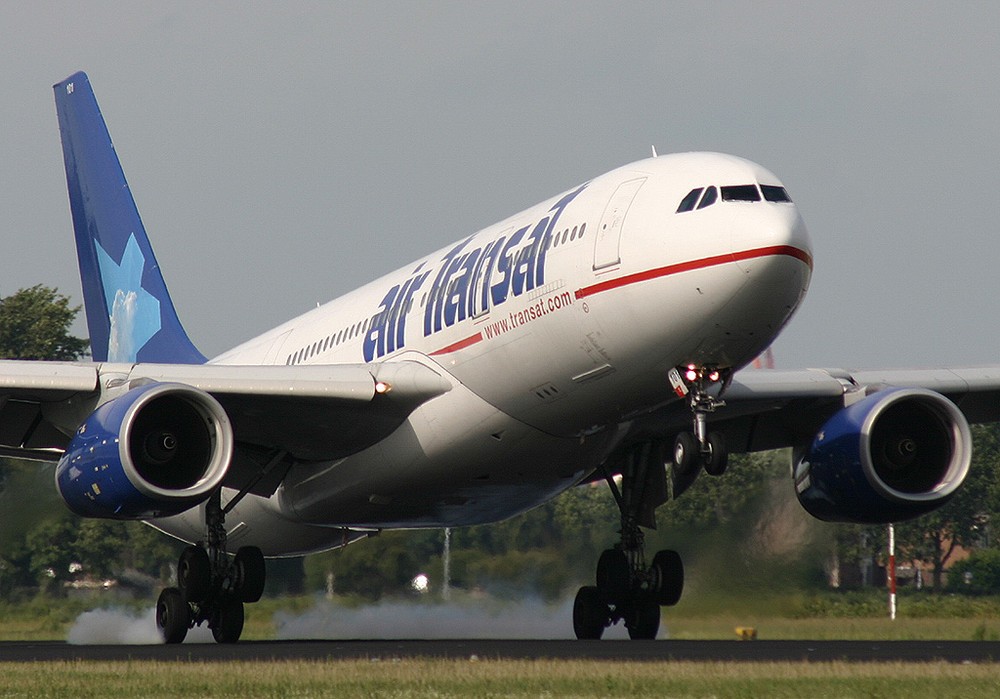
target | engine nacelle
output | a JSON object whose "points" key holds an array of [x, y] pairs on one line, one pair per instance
{"points": [[895, 455], [154, 451]]}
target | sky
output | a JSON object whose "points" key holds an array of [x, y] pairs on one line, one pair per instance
{"points": [[282, 154]]}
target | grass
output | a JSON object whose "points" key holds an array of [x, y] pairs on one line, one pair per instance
{"points": [[506, 678], [815, 616]]}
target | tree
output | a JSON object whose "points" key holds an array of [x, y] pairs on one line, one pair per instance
{"points": [[936, 536], [34, 324], [714, 501]]}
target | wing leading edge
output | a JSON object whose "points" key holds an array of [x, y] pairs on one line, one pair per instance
{"points": [[286, 408]]}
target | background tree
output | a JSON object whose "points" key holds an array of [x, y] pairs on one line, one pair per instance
{"points": [[34, 324], [35, 527], [964, 521]]}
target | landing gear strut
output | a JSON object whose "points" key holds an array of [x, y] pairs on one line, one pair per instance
{"points": [[210, 586], [627, 589]]}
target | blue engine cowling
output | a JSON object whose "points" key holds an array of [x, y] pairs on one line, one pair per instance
{"points": [[894, 455], [154, 451]]}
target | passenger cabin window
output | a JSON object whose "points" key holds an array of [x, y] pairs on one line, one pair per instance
{"points": [[774, 193], [741, 192]]}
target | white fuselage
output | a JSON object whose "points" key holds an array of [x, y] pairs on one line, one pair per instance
{"points": [[554, 327]]}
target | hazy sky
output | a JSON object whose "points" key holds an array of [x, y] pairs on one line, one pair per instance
{"points": [[282, 154]]}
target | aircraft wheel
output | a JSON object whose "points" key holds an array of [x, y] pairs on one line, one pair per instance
{"points": [[194, 574], [173, 615], [613, 575], [227, 624], [718, 456], [643, 621], [668, 571], [685, 451], [590, 613], [250, 573]]}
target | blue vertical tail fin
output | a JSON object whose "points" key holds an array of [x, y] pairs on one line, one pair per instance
{"points": [[129, 312]]}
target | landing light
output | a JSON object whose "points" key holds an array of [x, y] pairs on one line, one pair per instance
{"points": [[691, 374], [382, 387]]}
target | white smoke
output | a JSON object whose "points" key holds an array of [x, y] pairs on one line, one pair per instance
{"points": [[527, 619], [122, 627], [522, 620]]}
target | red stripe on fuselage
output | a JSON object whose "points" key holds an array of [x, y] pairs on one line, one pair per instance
{"points": [[655, 274], [692, 265], [461, 344]]}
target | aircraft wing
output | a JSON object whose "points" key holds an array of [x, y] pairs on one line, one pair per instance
{"points": [[768, 409], [310, 412]]}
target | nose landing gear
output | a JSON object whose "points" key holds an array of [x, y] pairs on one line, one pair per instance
{"points": [[210, 586], [700, 445]]}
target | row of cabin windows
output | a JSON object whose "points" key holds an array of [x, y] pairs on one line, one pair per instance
{"points": [[328, 342], [700, 197], [569, 234]]}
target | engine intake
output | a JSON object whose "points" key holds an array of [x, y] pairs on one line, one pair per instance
{"points": [[895, 455], [154, 451]]}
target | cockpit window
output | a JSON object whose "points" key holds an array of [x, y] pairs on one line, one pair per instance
{"points": [[710, 196], [774, 193], [687, 203], [741, 192]]}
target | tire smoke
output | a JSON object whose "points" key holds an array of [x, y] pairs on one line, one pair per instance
{"points": [[124, 627], [525, 619]]}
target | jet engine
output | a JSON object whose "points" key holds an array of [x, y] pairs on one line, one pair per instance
{"points": [[154, 451], [894, 455]]}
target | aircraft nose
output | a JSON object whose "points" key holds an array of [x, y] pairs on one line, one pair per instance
{"points": [[771, 229]]}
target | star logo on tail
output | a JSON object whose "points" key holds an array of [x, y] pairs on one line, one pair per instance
{"points": [[134, 312]]}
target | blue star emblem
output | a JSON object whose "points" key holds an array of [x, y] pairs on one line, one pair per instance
{"points": [[134, 312]]}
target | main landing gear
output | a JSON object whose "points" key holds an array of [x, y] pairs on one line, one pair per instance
{"points": [[627, 589], [210, 586]]}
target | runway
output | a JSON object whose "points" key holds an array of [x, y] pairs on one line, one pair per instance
{"points": [[620, 651]]}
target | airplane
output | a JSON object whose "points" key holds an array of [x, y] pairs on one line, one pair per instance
{"points": [[596, 336]]}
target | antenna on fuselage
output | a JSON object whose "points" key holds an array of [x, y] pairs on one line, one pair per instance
{"points": [[655, 154]]}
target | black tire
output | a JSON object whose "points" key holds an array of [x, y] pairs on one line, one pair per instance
{"points": [[613, 575], [686, 452], [251, 574], [643, 619], [227, 622], [194, 574], [717, 459], [590, 613], [173, 615], [668, 572]]}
